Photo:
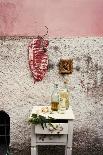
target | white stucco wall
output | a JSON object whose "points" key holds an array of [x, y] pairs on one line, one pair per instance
{"points": [[18, 93]]}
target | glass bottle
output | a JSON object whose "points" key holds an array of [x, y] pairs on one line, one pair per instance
{"points": [[66, 94], [64, 97], [55, 98]]}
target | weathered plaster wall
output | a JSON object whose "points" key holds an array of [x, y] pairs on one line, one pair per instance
{"points": [[62, 17], [18, 93]]}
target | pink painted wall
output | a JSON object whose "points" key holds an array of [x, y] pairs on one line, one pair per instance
{"points": [[62, 17]]}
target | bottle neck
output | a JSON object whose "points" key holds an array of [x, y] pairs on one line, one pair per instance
{"points": [[66, 86]]}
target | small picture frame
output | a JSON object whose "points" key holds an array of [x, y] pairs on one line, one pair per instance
{"points": [[66, 66]]}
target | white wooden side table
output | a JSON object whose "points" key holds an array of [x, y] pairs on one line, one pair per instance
{"points": [[60, 134]]}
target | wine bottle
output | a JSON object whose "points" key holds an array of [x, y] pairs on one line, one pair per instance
{"points": [[55, 98]]}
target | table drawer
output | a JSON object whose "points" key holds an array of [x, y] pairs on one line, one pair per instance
{"points": [[55, 128], [51, 138]]}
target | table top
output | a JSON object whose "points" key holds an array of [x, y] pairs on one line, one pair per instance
{"points": [[46, 112]]}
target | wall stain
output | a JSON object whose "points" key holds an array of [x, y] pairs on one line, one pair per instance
{"points": [[56, 48], [91, 77], [51, 65]]}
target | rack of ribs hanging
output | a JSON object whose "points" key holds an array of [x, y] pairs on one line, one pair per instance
{"points": [[38, 57]]}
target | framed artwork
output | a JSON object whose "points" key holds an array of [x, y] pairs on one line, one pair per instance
{"points": [[66, 66]]}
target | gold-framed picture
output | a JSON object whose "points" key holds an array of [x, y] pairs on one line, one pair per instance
{"points": [[66, 66]]}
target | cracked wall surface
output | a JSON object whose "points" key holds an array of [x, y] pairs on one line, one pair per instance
{"points": [[18, 93]]}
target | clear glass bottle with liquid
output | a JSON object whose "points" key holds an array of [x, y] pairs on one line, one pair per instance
{"points": [[55, 98], [64, 97], [66, 94]]}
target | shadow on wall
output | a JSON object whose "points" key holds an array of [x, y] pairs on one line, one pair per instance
{"points": [[25, 149], [85, 142]]}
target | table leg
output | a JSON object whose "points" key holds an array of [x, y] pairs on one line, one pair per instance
{"points": [[65, 150], [34, 147], [70, 138], [69, 151], [34, 150]]}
